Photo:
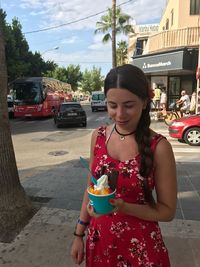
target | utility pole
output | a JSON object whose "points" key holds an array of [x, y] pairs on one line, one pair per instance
{"points": [[114, 60], [198, 83], [198, 79]]}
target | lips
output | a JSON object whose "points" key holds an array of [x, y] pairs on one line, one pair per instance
{"points": [[121, 122]]}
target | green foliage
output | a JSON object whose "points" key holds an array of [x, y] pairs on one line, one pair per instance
{"points": [[58, 73], [122, 51], [92, 80], [105, 25], [20, 60], [71, 75], [74, 76]]}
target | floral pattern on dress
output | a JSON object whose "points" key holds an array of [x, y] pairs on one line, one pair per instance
{"points": [[119, 240]]}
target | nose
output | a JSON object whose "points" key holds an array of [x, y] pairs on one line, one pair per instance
{"points": [[120, 112]]}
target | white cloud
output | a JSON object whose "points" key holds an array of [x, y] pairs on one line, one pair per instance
{"points": [[87, 49], [63, 12], [71, 40]]}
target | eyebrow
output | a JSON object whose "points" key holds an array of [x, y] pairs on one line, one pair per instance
{"points": [[126, 102]]}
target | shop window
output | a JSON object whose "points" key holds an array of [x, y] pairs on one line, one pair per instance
{"points": [[172, 17], [194, 7], [174, 89]]}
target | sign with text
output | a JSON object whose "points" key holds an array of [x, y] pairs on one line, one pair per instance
{"points": [[160, 62]]}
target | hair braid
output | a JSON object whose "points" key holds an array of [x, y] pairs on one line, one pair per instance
{"points": [[143, 139]]}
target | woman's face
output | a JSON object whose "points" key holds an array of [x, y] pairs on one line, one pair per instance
{"points": [[125, 108]]}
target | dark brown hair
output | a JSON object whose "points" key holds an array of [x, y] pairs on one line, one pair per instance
{"points": [[134, 80]]}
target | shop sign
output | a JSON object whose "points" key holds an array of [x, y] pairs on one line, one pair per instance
{"points": [[160, 62]]}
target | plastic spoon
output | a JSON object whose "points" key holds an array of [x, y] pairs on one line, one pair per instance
{"points": [[85, 164]]}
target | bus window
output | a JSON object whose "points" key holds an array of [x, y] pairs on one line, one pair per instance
{"points": [[27, 93]]}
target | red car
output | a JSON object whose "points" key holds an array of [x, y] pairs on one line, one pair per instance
{"points": [[186, 129]]}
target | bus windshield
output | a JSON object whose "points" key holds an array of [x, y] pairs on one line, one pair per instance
{"points": [[27, 93]]}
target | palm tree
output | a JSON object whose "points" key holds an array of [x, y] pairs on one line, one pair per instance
{"points": [[14, 205], [121, 52], [114, 59], [112, 24]]}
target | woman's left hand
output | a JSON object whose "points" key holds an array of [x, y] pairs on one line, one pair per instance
{"points": [[117, 203]]}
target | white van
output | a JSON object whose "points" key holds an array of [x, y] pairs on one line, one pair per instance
{"points": [[98, 101]]}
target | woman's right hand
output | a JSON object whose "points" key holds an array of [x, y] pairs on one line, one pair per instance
{"points": [[77, 250]]}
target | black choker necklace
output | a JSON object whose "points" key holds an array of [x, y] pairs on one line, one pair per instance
{"points": [[122, 136]]}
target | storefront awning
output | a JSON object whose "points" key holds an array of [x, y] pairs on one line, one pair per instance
{"points": [[167, 62]]}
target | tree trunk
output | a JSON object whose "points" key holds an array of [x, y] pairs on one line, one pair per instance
{"points": [[114, 60], [15, 207]]}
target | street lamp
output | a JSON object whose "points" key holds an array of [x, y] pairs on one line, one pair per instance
{"points": [[51, 49]]}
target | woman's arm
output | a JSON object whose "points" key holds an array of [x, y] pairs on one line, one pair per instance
{"points": [[77, 249], [84, 216], [165, 186]]}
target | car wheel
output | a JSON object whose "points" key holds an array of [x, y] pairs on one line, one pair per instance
{"points": [[192, 136], [181, 140], [58, 124], [84, 124], [93, 109]]}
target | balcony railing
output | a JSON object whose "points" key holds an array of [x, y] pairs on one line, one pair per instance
{"points": [[172, 39]]}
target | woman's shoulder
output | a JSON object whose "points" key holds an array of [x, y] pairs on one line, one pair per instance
{"points": [[158, 140], [156, 137], [160, 145], [100, 131]]}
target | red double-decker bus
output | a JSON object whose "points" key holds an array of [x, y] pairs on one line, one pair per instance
{"points": [[38, 96]]}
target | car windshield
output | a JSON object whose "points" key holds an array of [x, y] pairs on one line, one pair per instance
{"points": [[98, 97], [70, 107], [27, 93]]}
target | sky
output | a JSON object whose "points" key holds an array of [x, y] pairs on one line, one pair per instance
{"points": [[63, 31]]}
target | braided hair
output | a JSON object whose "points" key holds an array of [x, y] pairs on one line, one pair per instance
{"points": [[134, 80]]}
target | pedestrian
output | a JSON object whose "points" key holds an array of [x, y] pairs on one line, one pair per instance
{"points": [[130, 235], [193, 103], [184, 102], [156, 99], [163, 100]]}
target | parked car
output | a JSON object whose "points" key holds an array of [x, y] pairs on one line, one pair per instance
{"points": [[186, 129], [70, 113], [10, 104]]}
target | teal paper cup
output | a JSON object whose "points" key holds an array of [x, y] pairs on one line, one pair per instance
{"points": [[101, 203]]}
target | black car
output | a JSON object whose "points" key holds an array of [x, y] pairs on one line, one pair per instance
{"points": [[70, 113], [10, 103]]}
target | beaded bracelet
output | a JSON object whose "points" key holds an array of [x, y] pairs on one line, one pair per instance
{"points": [[79, 235], [83, 223]]}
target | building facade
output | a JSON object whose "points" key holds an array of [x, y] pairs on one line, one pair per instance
{"points": [[170, 56]]}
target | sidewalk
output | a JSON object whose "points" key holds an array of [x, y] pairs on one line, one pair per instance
{"points": [[46, 240]]}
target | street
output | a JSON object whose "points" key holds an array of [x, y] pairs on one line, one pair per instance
{"points": [[38, 142]]}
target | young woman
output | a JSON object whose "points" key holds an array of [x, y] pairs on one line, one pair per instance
{"points": [[129, 236]]}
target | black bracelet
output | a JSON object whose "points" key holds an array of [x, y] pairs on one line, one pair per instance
{"points": [[83, 223], [79, 235]]}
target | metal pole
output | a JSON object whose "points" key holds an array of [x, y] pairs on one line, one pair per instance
{"points": [[198, 84]]}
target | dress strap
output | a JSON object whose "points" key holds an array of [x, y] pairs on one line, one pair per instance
{"points": [[156, 139], [108, 138]]}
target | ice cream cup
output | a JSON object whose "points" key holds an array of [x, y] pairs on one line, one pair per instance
{"points": [[101, 203]]}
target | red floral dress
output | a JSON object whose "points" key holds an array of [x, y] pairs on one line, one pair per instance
{"points": [[119, 240]]}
